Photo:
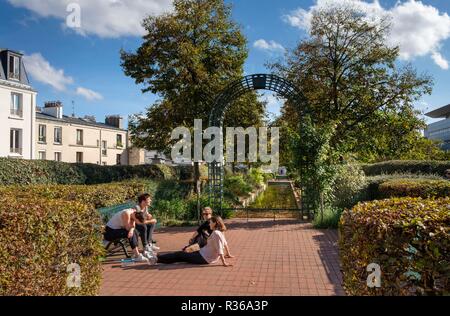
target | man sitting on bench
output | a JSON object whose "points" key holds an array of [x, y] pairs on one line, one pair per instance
{"points": [[122, 225], [148, 227]]}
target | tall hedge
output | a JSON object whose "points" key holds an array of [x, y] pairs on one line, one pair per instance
{"points": [[414, 188], [409, 238], [40, 238], [18, 171], [407, 166]]}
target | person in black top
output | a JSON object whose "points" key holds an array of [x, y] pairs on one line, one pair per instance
{"points": [[202, 233]]}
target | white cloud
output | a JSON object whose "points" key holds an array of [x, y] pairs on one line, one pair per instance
{"points": [[418, 29], [89, 94], [104, 18], [41, 70], [270, 46], [273, 102]]}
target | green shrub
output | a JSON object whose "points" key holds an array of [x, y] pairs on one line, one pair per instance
{"points": [[348, 186], [409, 238], [410, 166], [236, 186], [39, 238], [23, 172], [175, 209], [96, 196], [329, 219], [256, 177], [414, 188]]}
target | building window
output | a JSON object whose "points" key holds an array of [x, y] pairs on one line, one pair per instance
{"points": [[79, 157], [119, 141], [104, 163], [119, 160], [58, 135], [58, 156], [42, 155], [104, 148], [14, 67], [42, 133], [15, 141], [16, 104], [80, 137]]}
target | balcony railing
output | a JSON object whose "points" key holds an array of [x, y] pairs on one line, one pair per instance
{"points": [[17, 112], [16, 151]]}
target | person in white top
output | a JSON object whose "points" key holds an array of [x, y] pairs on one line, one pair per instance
{"points": [[123, 225], [216, 249]]}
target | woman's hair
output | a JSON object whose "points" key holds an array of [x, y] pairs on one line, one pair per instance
{"points": [[220, 225], [139, 216]]}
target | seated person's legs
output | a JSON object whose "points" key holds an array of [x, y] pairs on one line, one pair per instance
{"points": [[143, 233]]}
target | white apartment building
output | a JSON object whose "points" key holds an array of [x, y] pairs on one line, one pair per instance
{"points": [[79, 140], [17, 108]]}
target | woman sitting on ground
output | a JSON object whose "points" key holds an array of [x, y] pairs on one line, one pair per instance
{"points": [[204, 231], [123, 225], [216, 248]]}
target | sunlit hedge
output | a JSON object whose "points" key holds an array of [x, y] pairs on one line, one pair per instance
{"points": [[40, 238], [414, 188], [96, 196], [411, 166], [23, 172], [408, 237]]}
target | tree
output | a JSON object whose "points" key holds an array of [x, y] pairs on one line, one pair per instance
{"points": [[351, 76], [187, 58]]}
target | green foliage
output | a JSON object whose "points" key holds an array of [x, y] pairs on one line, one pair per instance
{"points": [[95, 196], [409, 166], [23, 172], [329, 219], [348, 185], [39, 238], [414, 188], [236, 186], [408, 237], [256, 177], [187, 58], [349, 75]]}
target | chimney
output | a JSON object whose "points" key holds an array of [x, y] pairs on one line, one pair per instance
{"points": [[115, 121], [53, 108]]}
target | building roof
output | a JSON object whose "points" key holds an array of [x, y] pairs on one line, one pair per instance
{"points": [[77, 121], [442, 112]]}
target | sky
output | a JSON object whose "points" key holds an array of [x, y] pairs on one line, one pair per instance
{"points": [[82, 65]]}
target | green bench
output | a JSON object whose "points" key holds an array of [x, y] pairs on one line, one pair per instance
{"points": [[112, 247]]}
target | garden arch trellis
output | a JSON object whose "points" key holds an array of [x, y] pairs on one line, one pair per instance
{"points": [[270, 82]]}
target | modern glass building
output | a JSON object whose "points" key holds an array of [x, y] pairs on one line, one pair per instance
{"points": [[441, 129]]}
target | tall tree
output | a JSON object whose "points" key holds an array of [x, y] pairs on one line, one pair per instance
{"points": [[187, 58], [351, 77]]}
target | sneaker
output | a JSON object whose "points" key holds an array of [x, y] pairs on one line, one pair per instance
{"points": [[140, 258], [155, 248], [152, 261], [149, 248], [149, 254]]}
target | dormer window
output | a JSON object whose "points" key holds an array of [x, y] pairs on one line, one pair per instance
{"points": [[14, 67]]}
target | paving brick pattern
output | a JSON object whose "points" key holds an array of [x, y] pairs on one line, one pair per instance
{"points": [[285, 258]]}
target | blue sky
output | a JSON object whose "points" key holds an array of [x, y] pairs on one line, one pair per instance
{"points": [[84, 65]]}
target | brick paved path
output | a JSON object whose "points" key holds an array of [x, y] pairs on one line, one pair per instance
{"points": [[286, 258]]}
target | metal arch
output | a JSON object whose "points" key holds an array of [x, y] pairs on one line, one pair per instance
{"points": [[270, 82]]}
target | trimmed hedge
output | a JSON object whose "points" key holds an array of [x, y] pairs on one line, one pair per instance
{"points": [[95, 196], [39, 238], [408, 237], [414, 188], [17, 171], [411, 166]]}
